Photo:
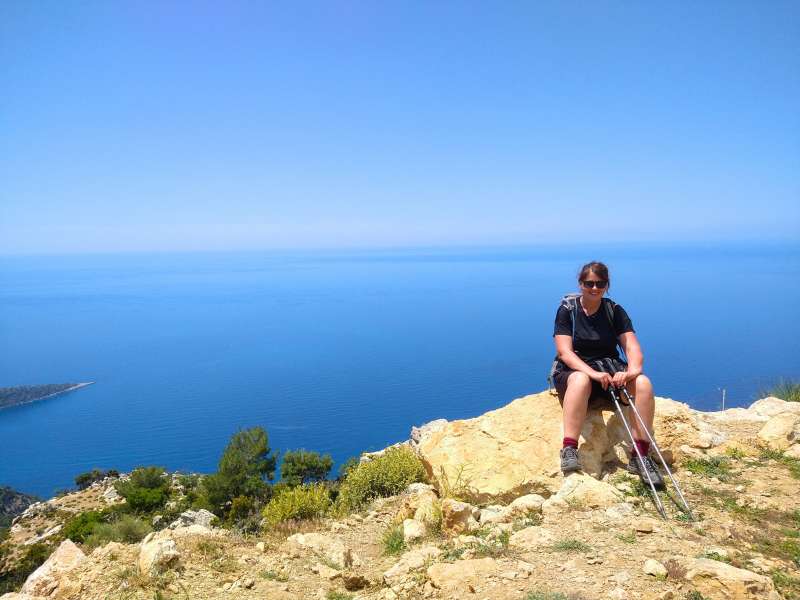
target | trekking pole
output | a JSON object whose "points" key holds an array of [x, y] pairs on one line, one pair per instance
{"points": [[642, 466], [653, 442]]}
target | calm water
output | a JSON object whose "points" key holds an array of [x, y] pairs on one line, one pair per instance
{"points": [[345, 352]]}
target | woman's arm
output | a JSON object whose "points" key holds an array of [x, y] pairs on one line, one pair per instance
{"points": [[567, 355], [633, 351]]}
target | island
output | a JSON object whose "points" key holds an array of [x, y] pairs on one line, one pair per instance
{"points": [[23, 394]]}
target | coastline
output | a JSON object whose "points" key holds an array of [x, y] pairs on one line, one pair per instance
{"points": [[64, 391]]}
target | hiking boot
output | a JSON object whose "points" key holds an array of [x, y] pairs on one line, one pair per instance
{"points": [[635, 468], [569, 460]]}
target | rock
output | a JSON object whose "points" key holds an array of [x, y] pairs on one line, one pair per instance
{"points": [[529, 503], [793, 452], [531, 538], [413, 530], [261, 547], [194, 517], [325, 571], [554, 505], [619, 512], [771, 406], [781, 431], [587, 492], [332, 549], [354, 581], [644, 525], [157, 554], [426, 507], [721, 580], [493, 514], [40, 538], [458, 516], [410, 561], [618, 594], [111, 496], [45, 580], [654, 568], [463, 575]]}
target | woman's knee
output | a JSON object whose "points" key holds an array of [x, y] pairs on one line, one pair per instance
{"points": [[579, 381]]}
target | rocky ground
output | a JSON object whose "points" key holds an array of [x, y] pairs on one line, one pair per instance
{"points": [[477, 533]]}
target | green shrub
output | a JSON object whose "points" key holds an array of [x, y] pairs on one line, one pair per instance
{"points": [[244, 514], [393, 541], [146, 490], [347, 466], [128, 529], [714, 466], [301, 502], [386, 475], [84, 480], [243, 469], [303, 466], [82, 526], [32, 557], [786, 390]]}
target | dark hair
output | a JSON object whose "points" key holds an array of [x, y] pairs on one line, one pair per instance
{"points": [[597, 268]]}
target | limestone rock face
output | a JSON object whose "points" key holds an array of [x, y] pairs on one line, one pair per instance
{"points": [[157, 554], [45, 580], [781, 431], [512, 451], [720, 580], [331, 548]]}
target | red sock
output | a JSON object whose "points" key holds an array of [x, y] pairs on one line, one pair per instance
{"points": [[643, 446], [572, 442]]}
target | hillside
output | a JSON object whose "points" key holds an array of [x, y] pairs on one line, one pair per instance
{"points": [[495, 521]]}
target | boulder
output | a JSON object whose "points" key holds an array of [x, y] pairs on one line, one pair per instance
{"points": [[193, 517], [45, 580], [720, 580], [514, 450], [157, 554], [771, 406], [793, 452], [330, 548], [413, 530], [585, 491], [462, 576], [781, 431], [654, 568], [410, 561], [531, 538], [458, 517]]}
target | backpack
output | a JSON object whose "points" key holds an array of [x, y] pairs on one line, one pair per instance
{"points": [[570, 302]]}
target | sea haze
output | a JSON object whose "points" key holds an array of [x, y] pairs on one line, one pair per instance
{"points": [[343, 352]]}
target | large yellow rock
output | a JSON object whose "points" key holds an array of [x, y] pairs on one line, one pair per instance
{"points": [[514, 450], [55, 571]]}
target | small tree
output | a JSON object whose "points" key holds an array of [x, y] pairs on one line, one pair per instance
{"points": [[146, 490], [244, 468], [303, 466]]}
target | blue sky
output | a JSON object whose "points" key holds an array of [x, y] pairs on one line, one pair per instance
{"points": [[242, 125]]}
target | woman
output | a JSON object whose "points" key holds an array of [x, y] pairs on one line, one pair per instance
{"points": [[599, 325]]}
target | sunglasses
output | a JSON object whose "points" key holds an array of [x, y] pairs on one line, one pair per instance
{"points": [[600, 285]]}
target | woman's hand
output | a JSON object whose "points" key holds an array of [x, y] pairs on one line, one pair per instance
{"points": [[620, 379], [604, 379]]}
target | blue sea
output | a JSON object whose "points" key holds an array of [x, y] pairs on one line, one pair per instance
{"points": [[342, 352]]}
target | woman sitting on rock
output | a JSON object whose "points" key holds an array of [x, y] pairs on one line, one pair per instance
{"points": [[588, 331]]}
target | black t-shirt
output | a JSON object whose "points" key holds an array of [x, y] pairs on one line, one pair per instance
{"points": [[594, 337]]}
